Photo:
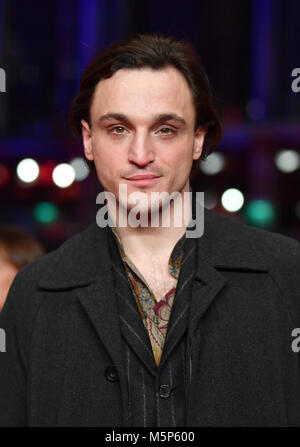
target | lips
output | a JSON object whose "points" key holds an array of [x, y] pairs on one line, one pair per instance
{"points": [[142, 176], [143, 179]]}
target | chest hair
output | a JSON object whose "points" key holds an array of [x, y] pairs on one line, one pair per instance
{"points": [[157, 276]]}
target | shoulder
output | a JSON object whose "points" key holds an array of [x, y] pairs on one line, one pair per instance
{"points": [[270, 244], [73, 260], [70, 250], [72, 263], [279, 254]]}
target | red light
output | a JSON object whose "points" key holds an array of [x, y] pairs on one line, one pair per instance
{"points": [[46, 170], [4, 176]]}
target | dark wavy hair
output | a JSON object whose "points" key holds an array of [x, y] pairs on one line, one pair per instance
{"points": [[156, 52]]}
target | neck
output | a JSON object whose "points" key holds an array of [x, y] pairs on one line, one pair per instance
{"points": [[142, 242]]}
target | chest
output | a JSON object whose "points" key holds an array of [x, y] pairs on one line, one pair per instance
{"points": [[158, 278], [160, 286]]}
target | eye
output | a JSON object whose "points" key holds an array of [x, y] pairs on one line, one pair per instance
{"points": [[119, 130], [166, 131]]}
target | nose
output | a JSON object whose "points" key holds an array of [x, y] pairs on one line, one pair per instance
{"points": [[140, 150]]}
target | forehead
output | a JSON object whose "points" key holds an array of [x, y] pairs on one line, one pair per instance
{"points": [[143, 92]]}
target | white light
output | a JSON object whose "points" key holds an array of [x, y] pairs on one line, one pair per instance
{"points": [[28, 170], [214, 164], [232, 200], [80, 168], [63, 175], [287, 160]]}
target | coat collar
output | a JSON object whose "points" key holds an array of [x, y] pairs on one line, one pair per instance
{"points": [[229, 244], [79, 261], [225, 244]]}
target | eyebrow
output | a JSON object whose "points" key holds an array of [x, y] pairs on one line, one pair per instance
{"points": [[158, 118]]}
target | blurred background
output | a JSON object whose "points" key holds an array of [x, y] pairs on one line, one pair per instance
{"points": [[249, 49]]}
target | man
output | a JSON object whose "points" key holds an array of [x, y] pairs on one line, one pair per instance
{"points": [[140, 325]]}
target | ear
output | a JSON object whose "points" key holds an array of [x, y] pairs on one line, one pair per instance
{"points": [[87, 140], [198, 142]]}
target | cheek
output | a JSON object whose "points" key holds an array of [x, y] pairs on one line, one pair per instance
{"points": [[108, 162], [179, 158], [107, 158]]}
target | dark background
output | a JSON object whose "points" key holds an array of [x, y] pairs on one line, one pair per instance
{"points": [[249, 49]]}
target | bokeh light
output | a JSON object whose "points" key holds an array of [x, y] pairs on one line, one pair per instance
{"points": [[80, 167], [214, 164], [45, 212], [4, 176], [28, 170], [210, 199], [63, 175], [232, 200], [260, 213], [287, 160]]}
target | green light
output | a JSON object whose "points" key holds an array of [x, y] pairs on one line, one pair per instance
{"points": [[45, 212], [260, 213]]}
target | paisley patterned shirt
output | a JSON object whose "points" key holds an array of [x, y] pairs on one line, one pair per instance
{"points": [[155, 314]]}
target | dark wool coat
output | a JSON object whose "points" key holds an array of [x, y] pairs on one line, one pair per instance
{"points": [[64, 362]]}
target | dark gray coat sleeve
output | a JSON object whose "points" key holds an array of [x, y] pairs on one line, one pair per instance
{"points": [[16, 320], [12, 369], [284, 256]]}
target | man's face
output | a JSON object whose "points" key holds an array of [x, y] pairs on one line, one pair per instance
{"points": [[142, 124]]}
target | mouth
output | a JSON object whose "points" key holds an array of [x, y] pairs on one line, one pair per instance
{"points": [[143, 180]]}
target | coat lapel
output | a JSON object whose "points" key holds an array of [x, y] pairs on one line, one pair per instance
{"points": [[135, 334], [225, 245], [132, 326], [99, 304], [221, 248], [84, 266], [178, 323]]}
